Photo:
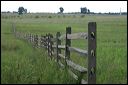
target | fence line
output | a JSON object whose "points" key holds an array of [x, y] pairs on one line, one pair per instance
{"points": [[47, 41]]}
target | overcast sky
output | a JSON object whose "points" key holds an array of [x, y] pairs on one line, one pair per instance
{"points": [[69, 6]]}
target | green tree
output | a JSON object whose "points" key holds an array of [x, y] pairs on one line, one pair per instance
{"points": [[88, 11], [84, 10], [61, 9], [25, 11], [20, 10]]}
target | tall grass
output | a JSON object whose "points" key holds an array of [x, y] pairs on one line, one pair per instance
{"points": [[21, 63]]}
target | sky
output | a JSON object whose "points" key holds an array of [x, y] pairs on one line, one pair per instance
{"points": [[69, 6]]}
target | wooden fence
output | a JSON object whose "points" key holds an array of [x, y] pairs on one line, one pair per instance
{"points": [[53, 46]]}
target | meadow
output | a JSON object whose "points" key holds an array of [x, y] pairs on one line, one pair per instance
{"points": [[20, 63]]}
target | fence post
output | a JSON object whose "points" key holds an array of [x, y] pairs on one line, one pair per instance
{"points": [[51, 43], [92, 53], [44, 42], [41, 41], [36, 40], [27, 37], [48, 45], [58, 42], [33, 39], [47, 40], [67, 44], [30, 38]]}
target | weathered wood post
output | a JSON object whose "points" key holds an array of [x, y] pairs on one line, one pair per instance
{"points": [[58, 50], [36, 40], [29, 37], [47, 42], [92, 53], [67, 44], [32, 39], [41, 41], [51, 44], [39, 38]]}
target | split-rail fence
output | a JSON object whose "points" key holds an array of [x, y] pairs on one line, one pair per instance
{"points": [[53, 46]]}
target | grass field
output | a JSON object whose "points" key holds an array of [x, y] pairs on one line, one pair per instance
{"points": [[20, 63]]}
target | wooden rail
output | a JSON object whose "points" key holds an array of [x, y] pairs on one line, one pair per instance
{"points": [[75, 36], [80, 51], [76, 66], [53, 46]]}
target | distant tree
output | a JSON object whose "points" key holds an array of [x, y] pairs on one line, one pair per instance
{"points": [[20, 10], [84, 10], [15, 12], [61, 9], [88, 11], [8, 12], [25, 11], [99, 13]]}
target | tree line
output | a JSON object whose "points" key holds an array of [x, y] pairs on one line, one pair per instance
{"points": [[22, 10], [83, 10]]}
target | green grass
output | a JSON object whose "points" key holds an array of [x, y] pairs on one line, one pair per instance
{"points": [[20, 63]]}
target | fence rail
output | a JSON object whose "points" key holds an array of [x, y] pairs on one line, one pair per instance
{"points": [[74, 36], [53, 46]]}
